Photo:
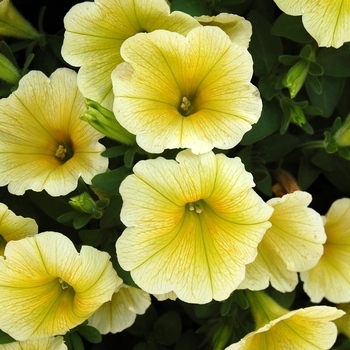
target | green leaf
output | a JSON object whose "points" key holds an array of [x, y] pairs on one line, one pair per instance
{"points": [[116, 151], [111, 180], [263, 47], [5, 338], [308, 172], [315, 69], [95, 237], [76, 341], [291, 27], [324, 160], [168, 328], [111, 215], [192, 7], [288, 60], [312, 82], [269, 122], [332, 89], [91, 334], [225, 306], [241, 299], [81, 220], [335, 62]]}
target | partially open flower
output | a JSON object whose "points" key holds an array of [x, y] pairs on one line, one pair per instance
{"points": [[13, 227], [120, 313], [52, 343], [47, 287], [192, 225], [278, 328], [328, 22], [44, 145], [236, 27], [292, 244], [185, 92], [96, 30], [330, 278]]}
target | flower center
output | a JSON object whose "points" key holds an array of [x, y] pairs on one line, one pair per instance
{"points": [[64, 284], [185, 107], [61, 152], [64, 151], [195, 207]]}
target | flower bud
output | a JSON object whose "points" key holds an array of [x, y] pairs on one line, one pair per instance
{"points": [[342, 136], [8, 71], [83, 203], [296, 76], [105, 122], [13, 24], [222, 336]]}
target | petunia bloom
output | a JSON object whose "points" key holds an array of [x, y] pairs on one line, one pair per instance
{"points": [[192, 225], [13, 227], [330, 278], [47, 287], [43, 143], [278, 328], [51, 343], [236, 27], [120, 313], [96, 30], [328, 22], [185, 92], [292, 244]]}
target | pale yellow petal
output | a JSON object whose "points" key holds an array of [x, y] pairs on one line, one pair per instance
{"points": [[330, 278], [52, 343], [170, 246], [96, 30], [206, 69], [328, 22], [47, 287], [42, 115], [120, 313], [236, 27]]}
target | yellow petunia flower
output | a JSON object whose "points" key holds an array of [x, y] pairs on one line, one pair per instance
{"points": [[96, 30], [292, 244], [192, 225], [120, 313], [43, 143], [13, 227], [52, 343], [330, 278], [185, 92], [278, 328], [236, 27], [47, 287], [328, 22]]}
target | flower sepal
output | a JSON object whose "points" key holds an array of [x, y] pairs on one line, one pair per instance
{"points": [[104, 121]]}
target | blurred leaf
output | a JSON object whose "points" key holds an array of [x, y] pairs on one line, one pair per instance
{"points": [[335, 62], [168, 328], [73, 341], [312, 82], [95, 237], [324, 160], [192, 7], [332, 89], [91, 334], [111, 215], [241, 299], [283, 299], [81, 220], [308, 173], [111, 180], [207, 310], [5, 338], [291, 27], [268, 123], [143, 323], [263, 47]]}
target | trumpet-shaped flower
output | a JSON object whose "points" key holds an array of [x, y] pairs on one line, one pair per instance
{"points": [[185, 92], [192, 225], [120, 313], [52, 343], [43, 143], [293, 243], [236, 27], [330, 278], [47, 287], [278, 328], [13, 227], [328, 22], [96, 30]]}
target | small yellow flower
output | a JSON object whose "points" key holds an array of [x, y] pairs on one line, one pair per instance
{"points": [[52, 343], [96, 30], [236, 27], [278, 328], [13, 227], [192, 225], [44, 145], [327, 21], [120, 313], [47, 287], [292, 244], [185, 92], [330, 278]]}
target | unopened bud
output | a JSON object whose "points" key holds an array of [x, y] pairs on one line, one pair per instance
{"points": [[8, 71], [83, 203], [342, 136], [296, 77]]}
